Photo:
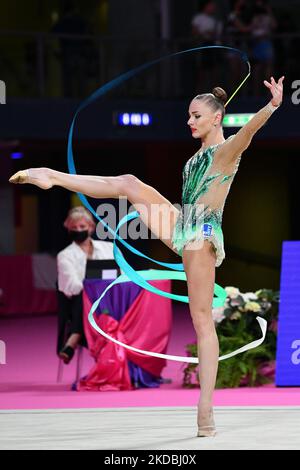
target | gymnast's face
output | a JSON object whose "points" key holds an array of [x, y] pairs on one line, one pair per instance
{"points": [[201, 119]]}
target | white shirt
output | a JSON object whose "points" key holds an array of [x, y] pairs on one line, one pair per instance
{"points": [[71, 265], [207, 26]]}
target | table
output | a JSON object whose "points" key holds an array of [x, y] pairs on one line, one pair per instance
{"points": [[135, 317]]}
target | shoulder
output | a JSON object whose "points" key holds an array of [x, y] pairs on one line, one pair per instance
{"points": [[229, 138], [223, 144], [67, 252]]}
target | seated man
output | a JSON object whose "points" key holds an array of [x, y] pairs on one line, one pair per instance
{"points": [[71, 267]]}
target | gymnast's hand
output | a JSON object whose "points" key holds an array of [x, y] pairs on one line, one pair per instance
{"points": [[276, 89]]}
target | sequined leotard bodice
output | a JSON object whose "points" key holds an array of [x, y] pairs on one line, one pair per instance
{"points": [[206, 183]]}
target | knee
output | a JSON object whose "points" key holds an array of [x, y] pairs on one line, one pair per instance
{"points": [[203, 322], [129, 184]]}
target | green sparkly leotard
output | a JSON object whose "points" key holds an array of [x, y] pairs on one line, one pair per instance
{"points": [[206, 183]]}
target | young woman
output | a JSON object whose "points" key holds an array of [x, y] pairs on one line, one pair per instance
{"points": [[207, 177]]}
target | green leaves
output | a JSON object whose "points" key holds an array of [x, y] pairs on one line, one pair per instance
{"points": [[239, 327]]}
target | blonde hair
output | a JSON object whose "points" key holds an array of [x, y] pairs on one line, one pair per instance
{"points": [[79, 212]]}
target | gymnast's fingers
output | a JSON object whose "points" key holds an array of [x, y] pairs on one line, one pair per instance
{"points": [[268, 85]]}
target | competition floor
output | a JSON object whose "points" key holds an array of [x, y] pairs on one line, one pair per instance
{"points": [[36, 412], [158, 428]]}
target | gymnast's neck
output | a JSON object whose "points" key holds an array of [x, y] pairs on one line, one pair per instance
{"points": [[213, 137]]}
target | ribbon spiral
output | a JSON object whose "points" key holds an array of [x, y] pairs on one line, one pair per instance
{"points": [[140, 277]]}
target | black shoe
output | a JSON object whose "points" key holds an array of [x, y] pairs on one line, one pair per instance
{"points": [[66, 354]]}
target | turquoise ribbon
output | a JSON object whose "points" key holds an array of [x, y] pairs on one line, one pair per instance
{"points": [[140, 277]]}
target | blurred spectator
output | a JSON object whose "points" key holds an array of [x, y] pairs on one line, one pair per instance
{"points": [[72, 50], [206, 31], [71, 267], [287, 44], [262, 51], [237, 34], [206, 27], [238, 22]]}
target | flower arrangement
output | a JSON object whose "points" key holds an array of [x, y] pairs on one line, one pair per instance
{"points": [[236, 325]]}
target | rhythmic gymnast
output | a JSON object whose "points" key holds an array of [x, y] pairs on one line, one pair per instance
{"points": [[195, 231]]}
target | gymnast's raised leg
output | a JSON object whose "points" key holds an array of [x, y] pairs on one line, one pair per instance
{"points": [[158, 214]]}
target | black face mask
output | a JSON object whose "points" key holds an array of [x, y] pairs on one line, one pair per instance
{"points": [[78, 236]]}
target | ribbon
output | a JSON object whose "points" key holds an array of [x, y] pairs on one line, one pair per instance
{"points": [[141, 277]]}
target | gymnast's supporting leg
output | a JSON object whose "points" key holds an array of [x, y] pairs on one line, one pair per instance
{"points": [[199, 266], [156, 211]]}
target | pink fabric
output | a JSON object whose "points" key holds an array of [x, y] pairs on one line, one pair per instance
{"points": [[110, 371], [146, 325], [19, 295]]}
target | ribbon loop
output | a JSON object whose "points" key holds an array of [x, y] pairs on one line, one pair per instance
{"points": [[141, 277]]}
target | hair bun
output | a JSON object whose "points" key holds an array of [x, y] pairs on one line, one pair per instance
{"points": [[220, 94]]}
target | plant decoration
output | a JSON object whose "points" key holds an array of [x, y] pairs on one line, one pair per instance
{"points": [[236, 326]]}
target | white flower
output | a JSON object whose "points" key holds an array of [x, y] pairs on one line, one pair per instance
{"points": [[252, 306], [236, 316], [248, 296], [218, 314], [232, 292]]}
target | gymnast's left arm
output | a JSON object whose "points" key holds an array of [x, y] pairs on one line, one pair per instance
{"points": [[234, 147]]}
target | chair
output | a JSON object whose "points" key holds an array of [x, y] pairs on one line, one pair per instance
{"points": [[67, 306], [78, 366]]}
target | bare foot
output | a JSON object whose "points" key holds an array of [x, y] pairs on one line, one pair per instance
{"points": [[37, 176]]}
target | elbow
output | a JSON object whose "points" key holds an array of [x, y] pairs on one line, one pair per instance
{"points": [[69, 287]]}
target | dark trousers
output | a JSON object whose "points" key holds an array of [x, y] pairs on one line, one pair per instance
{"points": [[70, 320]]}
